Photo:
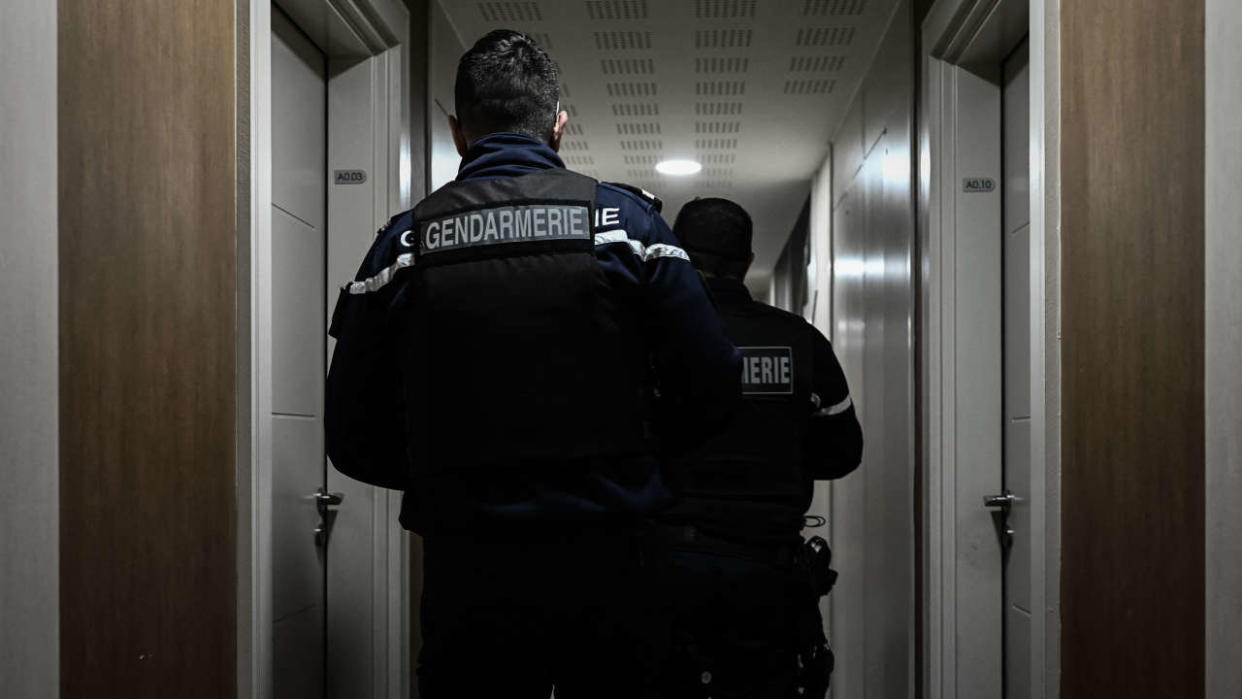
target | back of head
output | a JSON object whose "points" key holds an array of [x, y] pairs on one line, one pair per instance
{"points": [[717, 235], [506, 83]]}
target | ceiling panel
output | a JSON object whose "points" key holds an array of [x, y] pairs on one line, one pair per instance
{"points": [[750, 88]]}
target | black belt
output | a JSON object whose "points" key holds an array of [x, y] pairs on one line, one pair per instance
{"points": [[693, 539]]}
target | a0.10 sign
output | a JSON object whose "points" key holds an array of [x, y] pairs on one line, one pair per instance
{"points": [[972, 185]]}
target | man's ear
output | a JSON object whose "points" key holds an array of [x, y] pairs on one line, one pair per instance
{"points": [[558, 130], [459, 136]]}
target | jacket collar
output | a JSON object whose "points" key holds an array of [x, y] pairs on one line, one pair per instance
{"points": [[728, 291], [506, 155]]}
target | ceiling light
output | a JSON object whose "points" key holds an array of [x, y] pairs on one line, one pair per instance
{"points": [[678, 167]]}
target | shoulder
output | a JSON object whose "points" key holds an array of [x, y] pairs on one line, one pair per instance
{"points": [[620, 207], [399, 231], [642, 197], [629, 199], [391, 241]]}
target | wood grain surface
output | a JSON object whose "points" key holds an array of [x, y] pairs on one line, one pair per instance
{"points": [[1133, 451], [148, 339]]}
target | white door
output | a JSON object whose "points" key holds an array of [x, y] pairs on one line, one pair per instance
{"points": [[993, 552], [299, 213], [1016, 219]]}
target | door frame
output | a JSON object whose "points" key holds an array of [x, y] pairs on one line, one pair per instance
{"points": [[962, 33], [348, 31]]}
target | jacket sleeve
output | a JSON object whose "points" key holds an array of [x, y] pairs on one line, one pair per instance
{"points": [[698, 369], [364, 411], [834, 437]]}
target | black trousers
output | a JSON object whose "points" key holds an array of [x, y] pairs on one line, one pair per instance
{"points": [[516, 615], [732, 629]]}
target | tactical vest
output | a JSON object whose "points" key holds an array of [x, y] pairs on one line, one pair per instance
{"points": [[522, 354], [750, 481]]}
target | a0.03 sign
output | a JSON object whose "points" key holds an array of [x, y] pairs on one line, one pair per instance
{"points": [[349, 176]]}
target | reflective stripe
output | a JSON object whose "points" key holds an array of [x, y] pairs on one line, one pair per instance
{"points": [[643, 252], [835, 409], [663, 250], [385, 275]]}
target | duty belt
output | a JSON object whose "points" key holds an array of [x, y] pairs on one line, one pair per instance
{"points": [[692, 538]]}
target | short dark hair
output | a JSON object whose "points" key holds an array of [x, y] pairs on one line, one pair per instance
{"points": [[717, 235], [505, 82]]}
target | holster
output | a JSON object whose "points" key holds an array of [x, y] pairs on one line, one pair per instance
{"points": [[813, 578]]}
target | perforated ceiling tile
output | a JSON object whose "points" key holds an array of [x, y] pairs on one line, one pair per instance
{"points": [[622, 41], [631, 89], [825, 36], [715, 127], [722, 158], [833, 8], [640, 159], [822, 86], [717, 108], [723, 38], [715, 88], [616, 9], [578, 160], [627, 66], [715, 143], [816, 64], [574, 145], [633, 109], [573, 128], [510, 11], [642, 128], [721, 64], [724, 9], [642, 144]]}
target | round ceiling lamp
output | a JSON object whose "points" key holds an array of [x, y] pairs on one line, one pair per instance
{"points": [[678, 167]]}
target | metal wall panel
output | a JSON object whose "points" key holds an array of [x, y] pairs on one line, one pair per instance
{"points": [[1223, 385], [873, 308], [28, 354]]}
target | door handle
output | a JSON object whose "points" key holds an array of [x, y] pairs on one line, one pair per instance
{"points": [[1004, 501], [324, 499], [1000, 506], [326, 503]]}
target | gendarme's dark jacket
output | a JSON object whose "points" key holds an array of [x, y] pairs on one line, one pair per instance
{"points": [[369, 404], [754, 479]]}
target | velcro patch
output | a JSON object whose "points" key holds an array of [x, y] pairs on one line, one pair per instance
{"points": [[514, 223], [767, 370]]}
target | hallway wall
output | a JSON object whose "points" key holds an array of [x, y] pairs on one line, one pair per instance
{"points": [[148, 341], [29, 633], [1132, 474], [872, 607], [445, 48], [1223, 378]]}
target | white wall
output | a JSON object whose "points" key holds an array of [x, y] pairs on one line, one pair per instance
{"points": [[872, 608], [446, 49], [1223, 361], [29, 474]]}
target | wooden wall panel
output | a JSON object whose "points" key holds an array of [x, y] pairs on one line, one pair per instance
{"points": [[1133, 423], [148, 339]]}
